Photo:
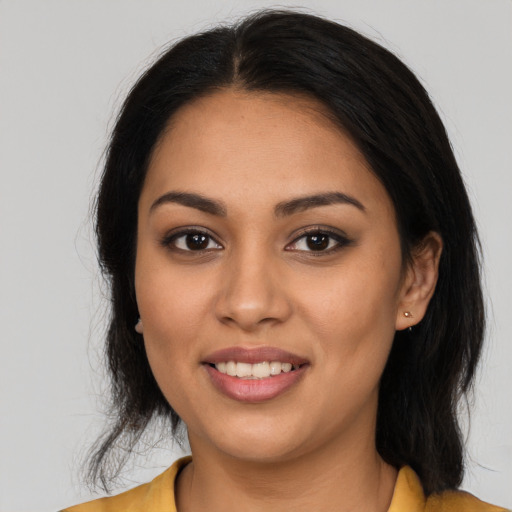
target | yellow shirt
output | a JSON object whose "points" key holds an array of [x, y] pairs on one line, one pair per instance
{"points": [[158, 496]]}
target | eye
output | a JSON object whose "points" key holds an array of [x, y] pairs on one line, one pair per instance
{"points": [[191, 241], [320, 241]]}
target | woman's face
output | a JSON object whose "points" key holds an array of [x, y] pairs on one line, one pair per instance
{"points": [[266, 247]]}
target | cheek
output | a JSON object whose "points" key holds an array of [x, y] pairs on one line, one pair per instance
{"points": [[353, 324], [170, 298], [172, 305], [170, 328], [170, 309], [353, 311]]}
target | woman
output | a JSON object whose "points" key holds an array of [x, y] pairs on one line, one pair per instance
{"points": [[294, 273]]}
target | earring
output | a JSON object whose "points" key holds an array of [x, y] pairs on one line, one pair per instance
{"points": [[138, 326], [408, 314]]}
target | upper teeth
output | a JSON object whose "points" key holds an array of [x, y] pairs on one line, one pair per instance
{"points": [[257, 370]]}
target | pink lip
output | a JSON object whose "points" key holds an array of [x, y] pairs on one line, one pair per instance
{"points": [[254, 390], [253, 355]]}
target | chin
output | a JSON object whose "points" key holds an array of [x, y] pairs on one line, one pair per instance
{"points": [[263, 451], [260, 440]]}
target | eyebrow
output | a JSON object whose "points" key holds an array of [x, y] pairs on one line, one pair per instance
{"points": [[191, 200], [305, 203], [283, 209]]}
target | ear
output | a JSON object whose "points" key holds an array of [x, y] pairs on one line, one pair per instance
{"points": [[419, 282], [138, 326]]}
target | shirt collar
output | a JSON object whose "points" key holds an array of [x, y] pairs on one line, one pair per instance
{"points": [[408, 494]]}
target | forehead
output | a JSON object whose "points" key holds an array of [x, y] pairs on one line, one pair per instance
{"points": [[264, 146]]}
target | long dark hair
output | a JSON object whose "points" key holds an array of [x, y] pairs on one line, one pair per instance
{"points": [[385, 109]]}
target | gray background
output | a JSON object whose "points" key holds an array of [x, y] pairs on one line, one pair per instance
{"points": [[65, 65]]}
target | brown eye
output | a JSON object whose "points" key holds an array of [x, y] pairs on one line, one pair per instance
{"points": [[317, 242], [197, 242], [192, 241]]}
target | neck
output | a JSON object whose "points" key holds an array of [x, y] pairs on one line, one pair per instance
{"points": [[342, 478]]}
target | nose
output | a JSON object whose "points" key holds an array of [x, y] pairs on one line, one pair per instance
{"points": [[253, 293]]}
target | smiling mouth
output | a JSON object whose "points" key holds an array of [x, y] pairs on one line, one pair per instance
{"points": [[248, 371], [255, 374]]}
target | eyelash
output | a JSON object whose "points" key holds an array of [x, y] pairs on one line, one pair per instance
{"points": [[340, 240]]}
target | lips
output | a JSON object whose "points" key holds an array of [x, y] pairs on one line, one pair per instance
{"points": [[254, 375], [254, 355]]}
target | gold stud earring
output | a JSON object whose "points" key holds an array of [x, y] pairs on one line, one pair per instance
{"points": [[408, 314]]}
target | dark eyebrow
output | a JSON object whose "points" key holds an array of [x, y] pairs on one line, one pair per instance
{"points": [[191, 200], [304, 203]]}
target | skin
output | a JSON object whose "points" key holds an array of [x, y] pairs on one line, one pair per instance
{"points": [[258, 283]]}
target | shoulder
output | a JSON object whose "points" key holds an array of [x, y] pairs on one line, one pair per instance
{"points": [[455, 501], [408, 495], [157, 495]]}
